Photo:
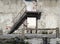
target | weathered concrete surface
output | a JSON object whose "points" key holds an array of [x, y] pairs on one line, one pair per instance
{"points": [[50, 13], [8, 10], [49, 19]]}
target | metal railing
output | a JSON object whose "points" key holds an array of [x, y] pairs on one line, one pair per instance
{"points": [[45, 34], [19, 14]]}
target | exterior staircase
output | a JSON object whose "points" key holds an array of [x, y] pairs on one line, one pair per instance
{"points": [[21, 18]]}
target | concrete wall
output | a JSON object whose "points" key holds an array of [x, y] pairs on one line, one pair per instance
{"points": [[49, 19], [50, 13], [8, 10]]}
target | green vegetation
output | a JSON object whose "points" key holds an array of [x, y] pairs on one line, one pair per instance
{"points": [[27, 43], [13, 41]]}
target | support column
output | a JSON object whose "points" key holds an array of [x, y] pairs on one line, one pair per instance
{"points": [[45, 40], [36, 25], [57, 32], [23, 31]]}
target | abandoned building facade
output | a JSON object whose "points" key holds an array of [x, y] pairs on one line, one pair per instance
{"points": [[12, 10]]}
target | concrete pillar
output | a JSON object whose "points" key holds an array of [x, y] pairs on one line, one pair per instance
{"points": [[36, 25], [57, 32]]}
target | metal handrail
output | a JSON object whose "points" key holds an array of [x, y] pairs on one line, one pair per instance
{"points": [[20, 14]]}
